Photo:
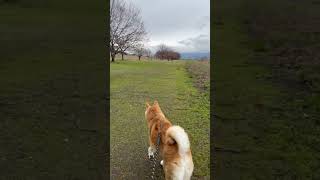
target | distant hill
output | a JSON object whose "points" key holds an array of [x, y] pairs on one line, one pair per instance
{"points": [[195, 55]]}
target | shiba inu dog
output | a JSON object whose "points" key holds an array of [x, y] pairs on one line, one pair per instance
{"points": [[173, 143]]}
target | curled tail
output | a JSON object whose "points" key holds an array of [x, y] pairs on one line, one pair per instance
{"points": [[176, 134]]}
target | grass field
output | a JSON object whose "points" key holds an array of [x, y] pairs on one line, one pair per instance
{"points": [[134, 82], [265, 127], [52, 76]]}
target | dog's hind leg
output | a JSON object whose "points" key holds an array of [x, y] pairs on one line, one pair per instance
{"points": [[152, 141], [151, 149]]}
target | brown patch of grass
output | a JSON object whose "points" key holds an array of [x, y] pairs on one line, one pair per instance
{"points": [[200, 72]]}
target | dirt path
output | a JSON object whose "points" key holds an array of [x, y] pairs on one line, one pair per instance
{"points": [[131, 84]]}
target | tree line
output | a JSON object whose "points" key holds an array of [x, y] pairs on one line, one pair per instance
{"points": [[164, 52]]}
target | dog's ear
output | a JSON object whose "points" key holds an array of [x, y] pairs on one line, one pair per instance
{"points": [[155, 103], [156, 106], [147, 104]]}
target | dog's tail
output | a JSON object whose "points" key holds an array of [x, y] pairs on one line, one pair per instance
{"points": [[177, 135]]}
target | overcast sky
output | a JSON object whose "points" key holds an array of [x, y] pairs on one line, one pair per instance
{"points": [[181, 24]]}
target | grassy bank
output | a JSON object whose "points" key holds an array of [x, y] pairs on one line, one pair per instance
{"points": [[132, 83]]}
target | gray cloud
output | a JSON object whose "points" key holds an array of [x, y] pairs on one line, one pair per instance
{"points": [[204, 23], [174, 21], [200, 43]]}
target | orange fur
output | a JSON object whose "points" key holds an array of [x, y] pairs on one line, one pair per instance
{"points": [[173, 161]]}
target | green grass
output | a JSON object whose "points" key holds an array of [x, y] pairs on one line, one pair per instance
{"points": [[134, 82], [52, 86], [263, 128]]}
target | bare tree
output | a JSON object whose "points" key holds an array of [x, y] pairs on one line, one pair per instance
{"points": [[149, 53], [163, 48], [140, 51], [171, 55], [126, 27], [164, 52]]}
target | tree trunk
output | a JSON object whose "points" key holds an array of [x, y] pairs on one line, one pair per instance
{"points": [[112, 58], [122, 56], [139, 58]]}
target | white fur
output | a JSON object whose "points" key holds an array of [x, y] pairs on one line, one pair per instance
{"points": [[183, 172], [188, 168], [179, 174], [151, 151], [181, 137]]}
